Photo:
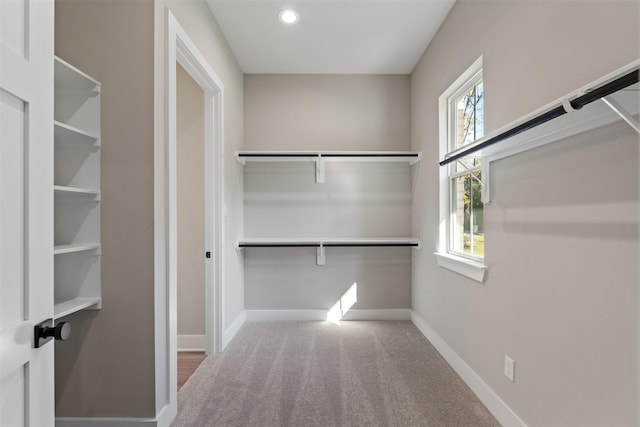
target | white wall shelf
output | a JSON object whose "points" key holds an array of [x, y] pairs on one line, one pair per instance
{"points": [[61, 189], [411, 157], [327, 242], [77, 284], [64, 133], [321, 243], [320, 157], [76, 247], [69, 77], [76, 304]]}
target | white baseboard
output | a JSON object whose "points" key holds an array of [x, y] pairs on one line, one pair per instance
{"points": [[107, 422], [285, 315], [164, 419], [503, 413], [167, 415], [192, 342], [321, 315], [232, 330], [381, 314]]}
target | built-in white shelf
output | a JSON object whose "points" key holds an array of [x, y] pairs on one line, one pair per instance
{"points": [[411, 157], [76, 247], [69, 77], [71, 306], [77, 264], [66, 134], [61, 189]]}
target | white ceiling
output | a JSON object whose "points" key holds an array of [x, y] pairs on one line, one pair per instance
{"points": [[332, 37]]}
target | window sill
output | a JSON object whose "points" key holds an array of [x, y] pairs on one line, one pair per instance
{"points": [[472, 269]]}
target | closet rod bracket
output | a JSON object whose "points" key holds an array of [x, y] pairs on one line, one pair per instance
{"points": [[319, 165], [566, 104], [320, 259]]}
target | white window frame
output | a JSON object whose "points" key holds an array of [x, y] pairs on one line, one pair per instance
{"points": [[469, 266]]}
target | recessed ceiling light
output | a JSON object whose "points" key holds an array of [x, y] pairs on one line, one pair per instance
{"points": [[289, 16]]}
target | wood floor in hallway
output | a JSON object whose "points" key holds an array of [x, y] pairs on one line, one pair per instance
{"points": [[188, 362]]}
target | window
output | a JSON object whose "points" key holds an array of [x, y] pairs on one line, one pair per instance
{"points": [[461, 122], [465, 125]]}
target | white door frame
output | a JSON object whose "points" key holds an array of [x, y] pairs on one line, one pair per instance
{"points": [[181, 49]]}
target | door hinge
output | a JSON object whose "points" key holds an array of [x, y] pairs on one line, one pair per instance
{"points": [[207, 254]]}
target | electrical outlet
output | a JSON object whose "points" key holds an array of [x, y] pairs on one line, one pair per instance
{"points": [[509, 368]]}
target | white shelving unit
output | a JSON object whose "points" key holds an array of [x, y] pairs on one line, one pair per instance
{"points": [[319, 157], [76, 191]]}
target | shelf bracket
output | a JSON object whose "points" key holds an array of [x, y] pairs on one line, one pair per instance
{"points": [[485, 194], [485, 190], [320, 260], [319, 163], [624, 114], [481, 182]]}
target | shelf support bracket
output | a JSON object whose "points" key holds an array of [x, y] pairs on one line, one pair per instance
{"points": [[624, 114], [485, 194], [485, 190], [320, 260], [481, 182], [319, 163]]}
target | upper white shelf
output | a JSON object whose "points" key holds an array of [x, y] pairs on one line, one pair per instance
{"points": [[69, 77], [64, 133], [411, 157]]}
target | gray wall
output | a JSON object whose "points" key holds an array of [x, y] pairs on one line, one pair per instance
{"points": [[562, 232], [190, 154], [312, 112], [327, 112], [107, 366]]}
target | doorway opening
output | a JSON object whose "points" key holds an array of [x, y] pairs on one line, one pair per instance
{"points": [[182, 52], [190, 224]]}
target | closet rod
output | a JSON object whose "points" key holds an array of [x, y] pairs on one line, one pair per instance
{"points": [[326, 245], [591, 96], [328, 154]]}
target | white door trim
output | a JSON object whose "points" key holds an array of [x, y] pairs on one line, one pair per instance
{"points": [[181, 49]]}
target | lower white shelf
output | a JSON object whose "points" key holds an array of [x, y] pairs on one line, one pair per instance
{"points": [[67, 249], [330, 242], [259, 242], [66, 308]]}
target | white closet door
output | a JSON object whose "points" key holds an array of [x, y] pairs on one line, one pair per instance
{"points": [[26, 211]]}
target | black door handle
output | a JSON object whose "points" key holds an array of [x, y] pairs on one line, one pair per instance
{"points": [[45, 332]]}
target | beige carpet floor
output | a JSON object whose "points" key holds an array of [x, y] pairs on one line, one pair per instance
{"points": [[322, 374]]}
